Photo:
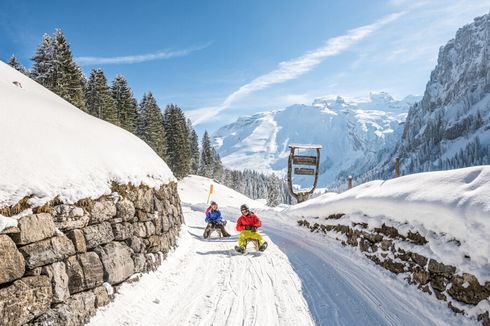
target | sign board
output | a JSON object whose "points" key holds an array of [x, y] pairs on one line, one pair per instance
{"points": [[304, 160], [304, 171]]}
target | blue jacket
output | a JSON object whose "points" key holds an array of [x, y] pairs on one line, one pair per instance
{"points": [[214, 216]]}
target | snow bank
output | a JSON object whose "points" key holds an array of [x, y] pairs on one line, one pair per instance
{"points": [[194, 190], [440, 205], [50, 148]]}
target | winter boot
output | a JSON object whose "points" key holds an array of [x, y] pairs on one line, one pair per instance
{"points": [[240, 249], [223, 231], [207, 232], [263, 246]]}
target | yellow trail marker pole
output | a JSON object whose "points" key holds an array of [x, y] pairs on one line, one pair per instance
{"points": [[210, 192]]}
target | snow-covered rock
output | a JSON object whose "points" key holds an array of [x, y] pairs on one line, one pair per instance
{"points": [[50, 148], [352, 131]]}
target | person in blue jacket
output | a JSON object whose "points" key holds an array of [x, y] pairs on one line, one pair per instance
{"points": [[214, 220]]}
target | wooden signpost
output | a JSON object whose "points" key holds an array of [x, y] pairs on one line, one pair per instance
{"points": [[302, 160]]}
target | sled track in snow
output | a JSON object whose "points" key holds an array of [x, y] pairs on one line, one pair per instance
{"points": [[204, 283], [311, 280]]}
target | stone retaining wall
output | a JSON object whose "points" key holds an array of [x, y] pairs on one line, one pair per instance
{"points": [[63, 261], [430, 276]]}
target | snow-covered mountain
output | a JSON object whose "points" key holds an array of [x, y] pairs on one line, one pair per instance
{"points": [[450, 127], [352, 131]]}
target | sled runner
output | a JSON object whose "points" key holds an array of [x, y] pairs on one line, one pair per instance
{"points": [[214, 227], [303, 165]]}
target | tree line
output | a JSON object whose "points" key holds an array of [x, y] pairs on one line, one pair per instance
{"points": [[169, 134]]}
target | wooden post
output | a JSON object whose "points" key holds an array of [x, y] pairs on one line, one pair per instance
{"points": [[349, 180], [397, 167]]}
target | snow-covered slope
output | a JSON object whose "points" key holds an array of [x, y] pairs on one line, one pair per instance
{"points": [[195, 190], [353, 132], [442, 206], [450, 127], [50, 148]]}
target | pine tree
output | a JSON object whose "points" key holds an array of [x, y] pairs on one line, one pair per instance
{"points": [[217, 165], [43, 68], [150, 125], [273, 191], [126, 105], [177, 141], [140, 119], [99, 97], [17, 66], [206, 162], [193, 148], [69, 83], [55, 69]]}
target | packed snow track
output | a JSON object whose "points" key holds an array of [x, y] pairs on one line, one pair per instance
{"points": [[205, 283], [301, 279]]}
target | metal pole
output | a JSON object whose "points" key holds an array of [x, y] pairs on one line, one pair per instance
{"points": [[349, 180]]}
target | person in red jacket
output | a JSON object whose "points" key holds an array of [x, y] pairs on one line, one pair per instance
{"points": [[247, 225]]}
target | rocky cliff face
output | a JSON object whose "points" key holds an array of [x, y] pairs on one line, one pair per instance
{"points": [[450, 127], [63, 261]]}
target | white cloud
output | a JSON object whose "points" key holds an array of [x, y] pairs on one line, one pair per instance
{"points": [[417, 37], [292, 69], [130, 59]]}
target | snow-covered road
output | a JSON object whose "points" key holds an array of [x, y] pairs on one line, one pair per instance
{"points": [[302, 279], [344, 288], [204, 283]]}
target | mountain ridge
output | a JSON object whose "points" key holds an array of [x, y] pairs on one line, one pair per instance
{"points": [[349, 129]]}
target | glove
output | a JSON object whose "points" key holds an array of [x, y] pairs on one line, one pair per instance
{"points": [[250, 228]]}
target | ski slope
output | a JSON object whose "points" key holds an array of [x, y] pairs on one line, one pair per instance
{"points": [[301, 279]]}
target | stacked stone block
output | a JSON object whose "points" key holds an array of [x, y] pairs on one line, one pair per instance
{"points": [[54, 265], [433, 277]]}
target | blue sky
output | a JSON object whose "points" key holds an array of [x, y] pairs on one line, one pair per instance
{"points": [[222, 59]]}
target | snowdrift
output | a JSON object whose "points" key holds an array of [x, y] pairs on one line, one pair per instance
{"points": [[50, 148], [451, 208]]}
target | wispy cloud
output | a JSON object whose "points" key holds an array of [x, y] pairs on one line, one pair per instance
{"points": [[292, 69], [429, 25], [130, 59]]}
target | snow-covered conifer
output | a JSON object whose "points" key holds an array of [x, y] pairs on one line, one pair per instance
{"points": [[150, 124], [177, 141], [126, 105], [99, 97]]}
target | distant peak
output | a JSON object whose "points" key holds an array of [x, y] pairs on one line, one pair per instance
{"points": [[340, 100], [381, 97]]}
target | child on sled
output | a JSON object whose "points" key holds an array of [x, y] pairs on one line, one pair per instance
{"points": [[247, 225], [215, 221]]}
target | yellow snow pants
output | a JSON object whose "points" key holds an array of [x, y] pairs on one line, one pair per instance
{"points": [[249, 235]]}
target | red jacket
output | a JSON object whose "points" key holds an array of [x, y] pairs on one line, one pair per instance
{"points": [[244, 220]]}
